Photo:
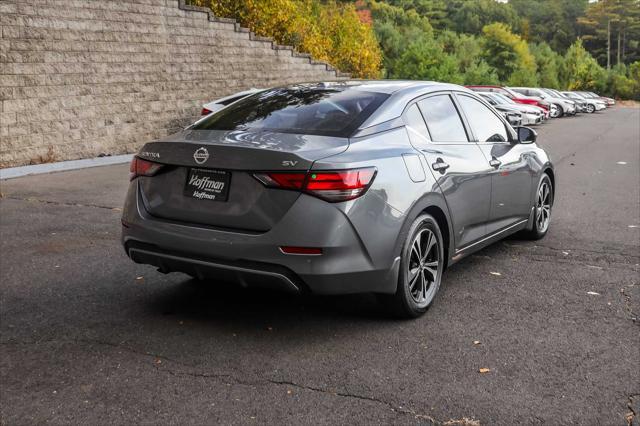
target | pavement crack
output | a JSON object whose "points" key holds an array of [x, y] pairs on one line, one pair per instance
{"points": [[59, 203], [230, 378]]}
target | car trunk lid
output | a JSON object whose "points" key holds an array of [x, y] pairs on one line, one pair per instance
{"points": [[201, 164]]}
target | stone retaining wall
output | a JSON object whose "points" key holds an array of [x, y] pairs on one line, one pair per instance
{"points": [[80, 78]]}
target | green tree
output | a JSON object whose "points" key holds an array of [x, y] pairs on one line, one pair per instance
{"points": [[471, 16], [481, 73], [425, 59], [395, 28], [580, 71], [612, 30], [550, 21], [548, 64], [509, 55]]}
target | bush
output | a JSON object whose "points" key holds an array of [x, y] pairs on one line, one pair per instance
{"points": [[425, 59], [329, 31], [580, 71]]}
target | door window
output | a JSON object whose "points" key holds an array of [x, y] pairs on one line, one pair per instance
{"points": [[442, 119], [486, 126]]}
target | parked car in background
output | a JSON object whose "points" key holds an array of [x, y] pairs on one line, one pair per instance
{"points": [[581, 104], [338, 187], [591, 95], [529, 114], [218, 104], [516, 97], [513, 117], [563, 105], [591, 105]]}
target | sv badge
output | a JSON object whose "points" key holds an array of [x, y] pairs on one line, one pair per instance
{"points": [[289, 163]]}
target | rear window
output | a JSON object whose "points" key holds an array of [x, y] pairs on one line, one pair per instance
{"points": [[315, 111]]}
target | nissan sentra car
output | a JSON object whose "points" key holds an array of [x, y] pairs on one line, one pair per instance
{"points": [[335, 188]]}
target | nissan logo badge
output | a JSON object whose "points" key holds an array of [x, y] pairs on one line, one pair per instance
{"points": [[201, 155]]}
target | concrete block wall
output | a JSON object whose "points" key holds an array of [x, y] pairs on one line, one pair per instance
{"points": [[80, 78]]}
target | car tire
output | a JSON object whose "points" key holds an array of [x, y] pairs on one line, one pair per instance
{"points": [[591, 109], [421, 268], [560, 112], [543, 204]]}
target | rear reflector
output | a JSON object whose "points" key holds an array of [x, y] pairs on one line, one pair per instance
{"points": [[205, 111], [333, 186], [314, 251], [140, 167]]}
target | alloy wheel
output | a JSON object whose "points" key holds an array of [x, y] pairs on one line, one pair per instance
{"points": [[543, 207], [590, 108], [423, 266]]}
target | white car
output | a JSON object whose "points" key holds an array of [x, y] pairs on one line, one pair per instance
{"points": [[218, 104], [591, 105]]}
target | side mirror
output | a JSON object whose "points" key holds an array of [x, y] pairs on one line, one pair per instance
{"points": [[526, 134]]}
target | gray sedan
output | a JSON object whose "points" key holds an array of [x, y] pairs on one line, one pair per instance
{"points": [[334, 188]]}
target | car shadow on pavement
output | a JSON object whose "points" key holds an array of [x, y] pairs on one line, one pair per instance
{"points": [[205, 300]]}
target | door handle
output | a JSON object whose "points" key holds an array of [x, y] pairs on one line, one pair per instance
{"points": [[495, 163], [439, 165]]}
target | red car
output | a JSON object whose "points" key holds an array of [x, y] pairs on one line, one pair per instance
{"points": [[516, 97]]}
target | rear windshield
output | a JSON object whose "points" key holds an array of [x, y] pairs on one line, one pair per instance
{"points": [[315, 111]]}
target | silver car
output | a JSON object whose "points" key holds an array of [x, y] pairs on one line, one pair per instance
{"points": [[334, 188], [590, 105], [563, 105]]}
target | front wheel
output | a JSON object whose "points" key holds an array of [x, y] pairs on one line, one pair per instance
{"points": [[421, 267], [542, 210], [591, 109], [559, 112]]}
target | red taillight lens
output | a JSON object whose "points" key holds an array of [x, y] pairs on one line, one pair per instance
{"points": [[140, 167], [282, 180], [334, 186], [205, 111]]}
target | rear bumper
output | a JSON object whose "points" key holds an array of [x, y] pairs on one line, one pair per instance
{"points": [[245, 273], [254, 259]]}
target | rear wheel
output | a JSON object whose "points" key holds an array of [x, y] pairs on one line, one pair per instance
{"points": [[421, 267], [542, 210]]}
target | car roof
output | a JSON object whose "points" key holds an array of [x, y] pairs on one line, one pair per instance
{"points": [[380, 86]]}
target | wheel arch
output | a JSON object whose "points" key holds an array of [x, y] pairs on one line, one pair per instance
{"points": [[552, 176], [435, 205]]}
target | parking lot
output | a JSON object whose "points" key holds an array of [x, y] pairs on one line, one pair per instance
{"points": [[87, 336]]}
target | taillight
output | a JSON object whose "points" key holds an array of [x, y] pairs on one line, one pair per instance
{"points": [[140, 167], [205, 111], [333, 186]]}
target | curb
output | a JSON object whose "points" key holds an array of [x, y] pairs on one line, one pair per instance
{"points": [[15, 172]]}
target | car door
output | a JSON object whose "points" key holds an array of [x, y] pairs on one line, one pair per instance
{"points": [[458, 165], [511, 172]]}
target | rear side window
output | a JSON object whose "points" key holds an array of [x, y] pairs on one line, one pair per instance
{"points": [[486, 126], [442, 119], [415, 121], [316, 111]]}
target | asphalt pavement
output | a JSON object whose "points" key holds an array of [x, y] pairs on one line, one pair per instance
{"points": [[89, 337]]}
